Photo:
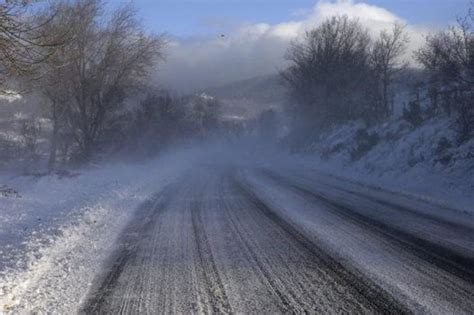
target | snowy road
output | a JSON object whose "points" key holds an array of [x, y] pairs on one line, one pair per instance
{"points": [[252, 240]]}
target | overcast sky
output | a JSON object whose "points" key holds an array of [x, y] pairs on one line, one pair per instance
{"points": [[213, 42]]}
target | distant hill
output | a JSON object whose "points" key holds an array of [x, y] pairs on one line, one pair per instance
{"points": [[249, 97]]}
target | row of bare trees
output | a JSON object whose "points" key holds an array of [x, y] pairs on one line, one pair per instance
{"points": [[339, 73], [161, 119], [91, 67], [448, 60], [88, 79]]}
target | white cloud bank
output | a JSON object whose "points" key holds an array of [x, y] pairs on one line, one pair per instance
{"points": [[257, 49]]}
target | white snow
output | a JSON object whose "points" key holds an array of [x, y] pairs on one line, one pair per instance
{"points": [[10, 96], [56, 232], [54, 238], [405, 160], [354, 246]]}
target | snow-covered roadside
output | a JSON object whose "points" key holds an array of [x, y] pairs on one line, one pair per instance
{"points": [[415, 162], [54, 238]]}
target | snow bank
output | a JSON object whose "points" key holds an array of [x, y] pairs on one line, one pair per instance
{"points": [[56, 234], [423, 161]]}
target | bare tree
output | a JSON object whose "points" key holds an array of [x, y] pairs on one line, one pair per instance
{"points": [[386, 62], [328, 72], [448, 58], [203, 114], [30, 133], [109, 62], [22, 44], [55, 71], [158, 121], [105, 60]]}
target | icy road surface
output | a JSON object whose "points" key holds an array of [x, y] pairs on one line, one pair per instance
{"points": [[257, 240]]}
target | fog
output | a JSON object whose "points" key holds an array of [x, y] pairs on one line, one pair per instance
{"points": [[319, 164]]}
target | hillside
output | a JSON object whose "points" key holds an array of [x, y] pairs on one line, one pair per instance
{"points": [[249, 97]]}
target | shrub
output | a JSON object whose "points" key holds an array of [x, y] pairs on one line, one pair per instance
{"points": [[412, 113], [365, 141]]}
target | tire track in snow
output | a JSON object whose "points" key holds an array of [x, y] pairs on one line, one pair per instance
{"points": [[218, 300], [129, 244], [357, 285], [179, 256], [287, 302], [436, 254], [305, 285]]}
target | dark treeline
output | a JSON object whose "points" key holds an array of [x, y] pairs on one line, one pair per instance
{"points": [[159, 120], [448, 60], [339, 73]]}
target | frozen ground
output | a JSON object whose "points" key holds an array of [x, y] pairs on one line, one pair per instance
{"points": [[424, 162]]}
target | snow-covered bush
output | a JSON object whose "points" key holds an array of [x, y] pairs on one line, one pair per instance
{"points": [[365, 141]]}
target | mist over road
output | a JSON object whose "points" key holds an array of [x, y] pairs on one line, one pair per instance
{"points": [[230, 239]]}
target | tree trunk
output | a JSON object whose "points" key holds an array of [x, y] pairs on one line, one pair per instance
{"points": [[87, 149], [54, 142], [386, 106]]}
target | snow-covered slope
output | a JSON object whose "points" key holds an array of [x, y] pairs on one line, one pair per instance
{"points": [[424, 160]]}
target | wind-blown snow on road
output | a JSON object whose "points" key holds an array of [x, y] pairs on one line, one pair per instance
{"points": [[240, 239], [54, 238]]}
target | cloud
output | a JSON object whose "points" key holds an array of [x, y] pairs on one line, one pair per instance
{"points": [[257, 49]]}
